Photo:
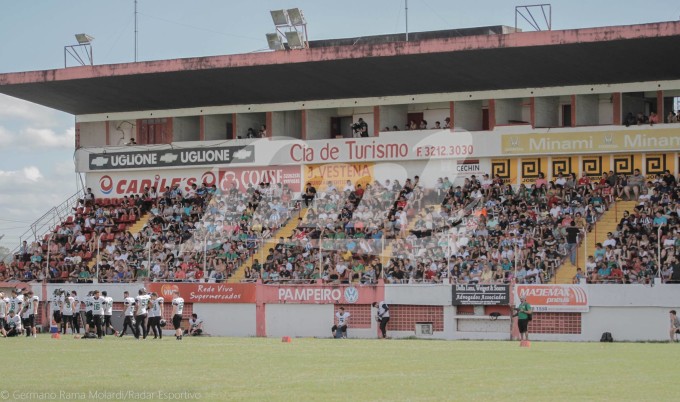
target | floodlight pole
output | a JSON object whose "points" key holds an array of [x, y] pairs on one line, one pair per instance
{"points": [[136, 32], [406, 8]]}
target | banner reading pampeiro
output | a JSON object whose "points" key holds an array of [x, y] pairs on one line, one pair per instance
{"points": [[481, 294]]}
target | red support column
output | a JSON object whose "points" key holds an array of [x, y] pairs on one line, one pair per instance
{"points": [[659, 106], [532, 111], [303, 121], [451, 113], [376, 121], [492, 114], [268, 123], [201, 128], [616, 108], [77, 135], [168, 131], [108, 134], [138, 130], [573, 110]]}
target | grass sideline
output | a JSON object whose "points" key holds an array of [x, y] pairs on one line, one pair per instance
{"points": [[215, 368]]}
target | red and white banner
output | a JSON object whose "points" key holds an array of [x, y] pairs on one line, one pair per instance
{"points": [[118, 184], [245, 176], [315, 294], [207, 292], [554, 298]]}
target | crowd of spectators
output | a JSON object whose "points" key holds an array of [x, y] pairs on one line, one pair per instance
{"points": [[482, 231]]}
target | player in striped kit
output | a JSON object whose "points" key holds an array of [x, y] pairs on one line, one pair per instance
{"points": [[155, 316], [177, 309]]}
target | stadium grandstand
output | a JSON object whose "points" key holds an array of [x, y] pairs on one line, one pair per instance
{"points": [[486, 156]]}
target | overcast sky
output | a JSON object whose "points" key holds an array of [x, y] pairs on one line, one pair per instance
{"points": [[36, 143]]}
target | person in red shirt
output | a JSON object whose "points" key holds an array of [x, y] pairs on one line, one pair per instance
{"points": [[584, 181], [616, 274], [359, 191]]}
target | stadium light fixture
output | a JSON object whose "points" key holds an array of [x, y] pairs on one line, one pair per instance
{"points": [[280, 18], [295, 40], [274, 41], [295, 16], [84, 39]]}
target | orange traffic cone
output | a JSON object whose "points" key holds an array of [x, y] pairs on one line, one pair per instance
{"points": [[54, 330], [286, 339], [525, 344]]}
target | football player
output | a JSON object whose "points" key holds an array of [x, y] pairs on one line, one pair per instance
{"points": [[177, 309], [97, 313], [155, 315], [76, 311], [13, 324], [108, 312], [142, 304], [129, 312], [89, 323], [67, 313], [16, 301], [30, 309], [56, 302], [4, 306]]}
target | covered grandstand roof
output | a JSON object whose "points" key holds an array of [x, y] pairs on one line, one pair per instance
{"points": [[439, 64]]}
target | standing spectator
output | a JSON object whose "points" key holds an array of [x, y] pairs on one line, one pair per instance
{"points": [[635, 182], [523, 318], [572, 233], [342, 320], [310, 193], [383, 316]]}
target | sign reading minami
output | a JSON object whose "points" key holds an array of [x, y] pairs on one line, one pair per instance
{"points": [[172, 157]]}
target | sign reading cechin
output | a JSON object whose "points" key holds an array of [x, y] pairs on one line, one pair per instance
{"points": [[172, 157], [595, 141]]}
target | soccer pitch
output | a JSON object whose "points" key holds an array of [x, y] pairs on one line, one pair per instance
{"points": [[211, 369]]}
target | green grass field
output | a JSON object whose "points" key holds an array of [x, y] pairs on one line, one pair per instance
{"points": [[211, 369]]}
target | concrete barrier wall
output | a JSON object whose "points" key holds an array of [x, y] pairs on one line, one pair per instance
{"points": [[630, 313]]}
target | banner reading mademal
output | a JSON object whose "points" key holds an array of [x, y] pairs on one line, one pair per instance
{"points": [[481, 294], [554, 298]]}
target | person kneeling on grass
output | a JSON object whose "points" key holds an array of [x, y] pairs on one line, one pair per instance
{"points": [[342, 320], [195, 325], [675, 325], [13, 326]]}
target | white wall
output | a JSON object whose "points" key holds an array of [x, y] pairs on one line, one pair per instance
{"points": [[431, 295], [299, 320], [185, 129], [508, 109], [546, 111], [587, 112], [468, 115], [319, 123], [605, 109], [93, 134], [393, 115], [215, 126], [231, 319]]}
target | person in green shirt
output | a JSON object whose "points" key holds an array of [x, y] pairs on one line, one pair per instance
{"points": [[523, 317]]}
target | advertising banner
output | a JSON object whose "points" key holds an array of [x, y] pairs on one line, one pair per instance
{"points": [[481, 294], [244, 177], [554, 298], [315, 294], [207, 292], [172, 157], [630, 139], [505, 168], [118, 184], [339, 174]]}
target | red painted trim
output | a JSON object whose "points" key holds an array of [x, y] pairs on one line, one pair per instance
{"points": [[452, 107], [376, 121], [492, 114], [138, 129], [234, 134], [465, 43], [532, 111], [573, 110], [169, 135], [616, 108], [303, 119], [78, 135], [108, 134], [659, 106], [201, 128], [268, 122]]}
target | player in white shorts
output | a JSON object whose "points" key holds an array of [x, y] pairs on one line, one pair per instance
{"points": [[98, 313], [16, 302], [13, 324], [89, 323], [56, 302], [129, 312], [177, 309]]}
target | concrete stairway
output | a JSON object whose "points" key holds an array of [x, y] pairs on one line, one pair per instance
{"points": [[134, 229], [261, 253], [607, 223]]}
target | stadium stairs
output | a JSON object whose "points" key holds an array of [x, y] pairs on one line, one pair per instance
{"points": [[134, 228], [387, 253], [607, 223], [260, 253]]}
